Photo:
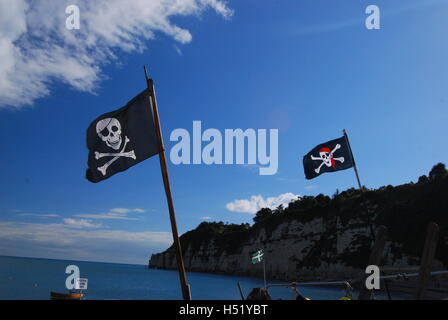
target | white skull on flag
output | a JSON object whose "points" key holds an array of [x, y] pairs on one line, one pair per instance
{"points": [[326, 156]]}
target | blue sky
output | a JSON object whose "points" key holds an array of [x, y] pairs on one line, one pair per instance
{"points": [[307, 68]]}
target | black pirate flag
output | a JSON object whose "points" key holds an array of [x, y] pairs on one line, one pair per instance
{"points": [[120, 139], [330, 156]]}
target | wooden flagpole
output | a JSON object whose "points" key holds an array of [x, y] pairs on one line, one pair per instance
{"points": [[426, 262], [166, 182], [372, 232], [264, 271]]}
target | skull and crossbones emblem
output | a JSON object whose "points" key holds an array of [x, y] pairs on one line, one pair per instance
{"points": [[327, 158], [109, 131]]}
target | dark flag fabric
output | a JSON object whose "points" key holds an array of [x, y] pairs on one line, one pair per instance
{"points": [[330, 156], [120, 139]]}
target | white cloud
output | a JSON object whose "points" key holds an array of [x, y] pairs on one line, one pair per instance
{"points": [[125, 210], [81, 223], [106, 216], [206, 218], [114, 214], [39, 215], [257, 202], [61, 241], [36, 48]]}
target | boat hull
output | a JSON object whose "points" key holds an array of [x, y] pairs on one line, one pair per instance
{"points": [[66, 296]]}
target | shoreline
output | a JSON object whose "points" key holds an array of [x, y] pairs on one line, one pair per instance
{"points": [[437, 288]]}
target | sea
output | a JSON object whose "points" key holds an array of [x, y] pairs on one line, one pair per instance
{"points": [[34, 279]]}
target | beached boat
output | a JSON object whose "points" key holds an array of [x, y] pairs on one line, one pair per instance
{"points": [[66, 296]]}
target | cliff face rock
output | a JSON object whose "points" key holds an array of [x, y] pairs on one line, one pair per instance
{"points": [[286, 250], [327, 239]]}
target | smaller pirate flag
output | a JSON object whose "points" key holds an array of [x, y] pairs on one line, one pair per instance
{"points": [[120, 139], [330, 156], [257, 256]]}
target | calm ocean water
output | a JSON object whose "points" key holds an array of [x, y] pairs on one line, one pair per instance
{"points": [[28, 278]]}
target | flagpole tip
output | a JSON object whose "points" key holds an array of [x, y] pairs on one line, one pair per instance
{"points": [[146, 71]]}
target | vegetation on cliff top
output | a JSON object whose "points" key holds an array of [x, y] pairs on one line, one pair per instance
{"points": [[405, 210]]}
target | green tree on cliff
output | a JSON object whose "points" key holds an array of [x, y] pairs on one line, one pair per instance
{"points": [[262, 214], [438, 172]]}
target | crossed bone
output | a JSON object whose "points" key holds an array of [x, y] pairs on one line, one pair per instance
{"points": [[116, 156], [327, 161]]}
